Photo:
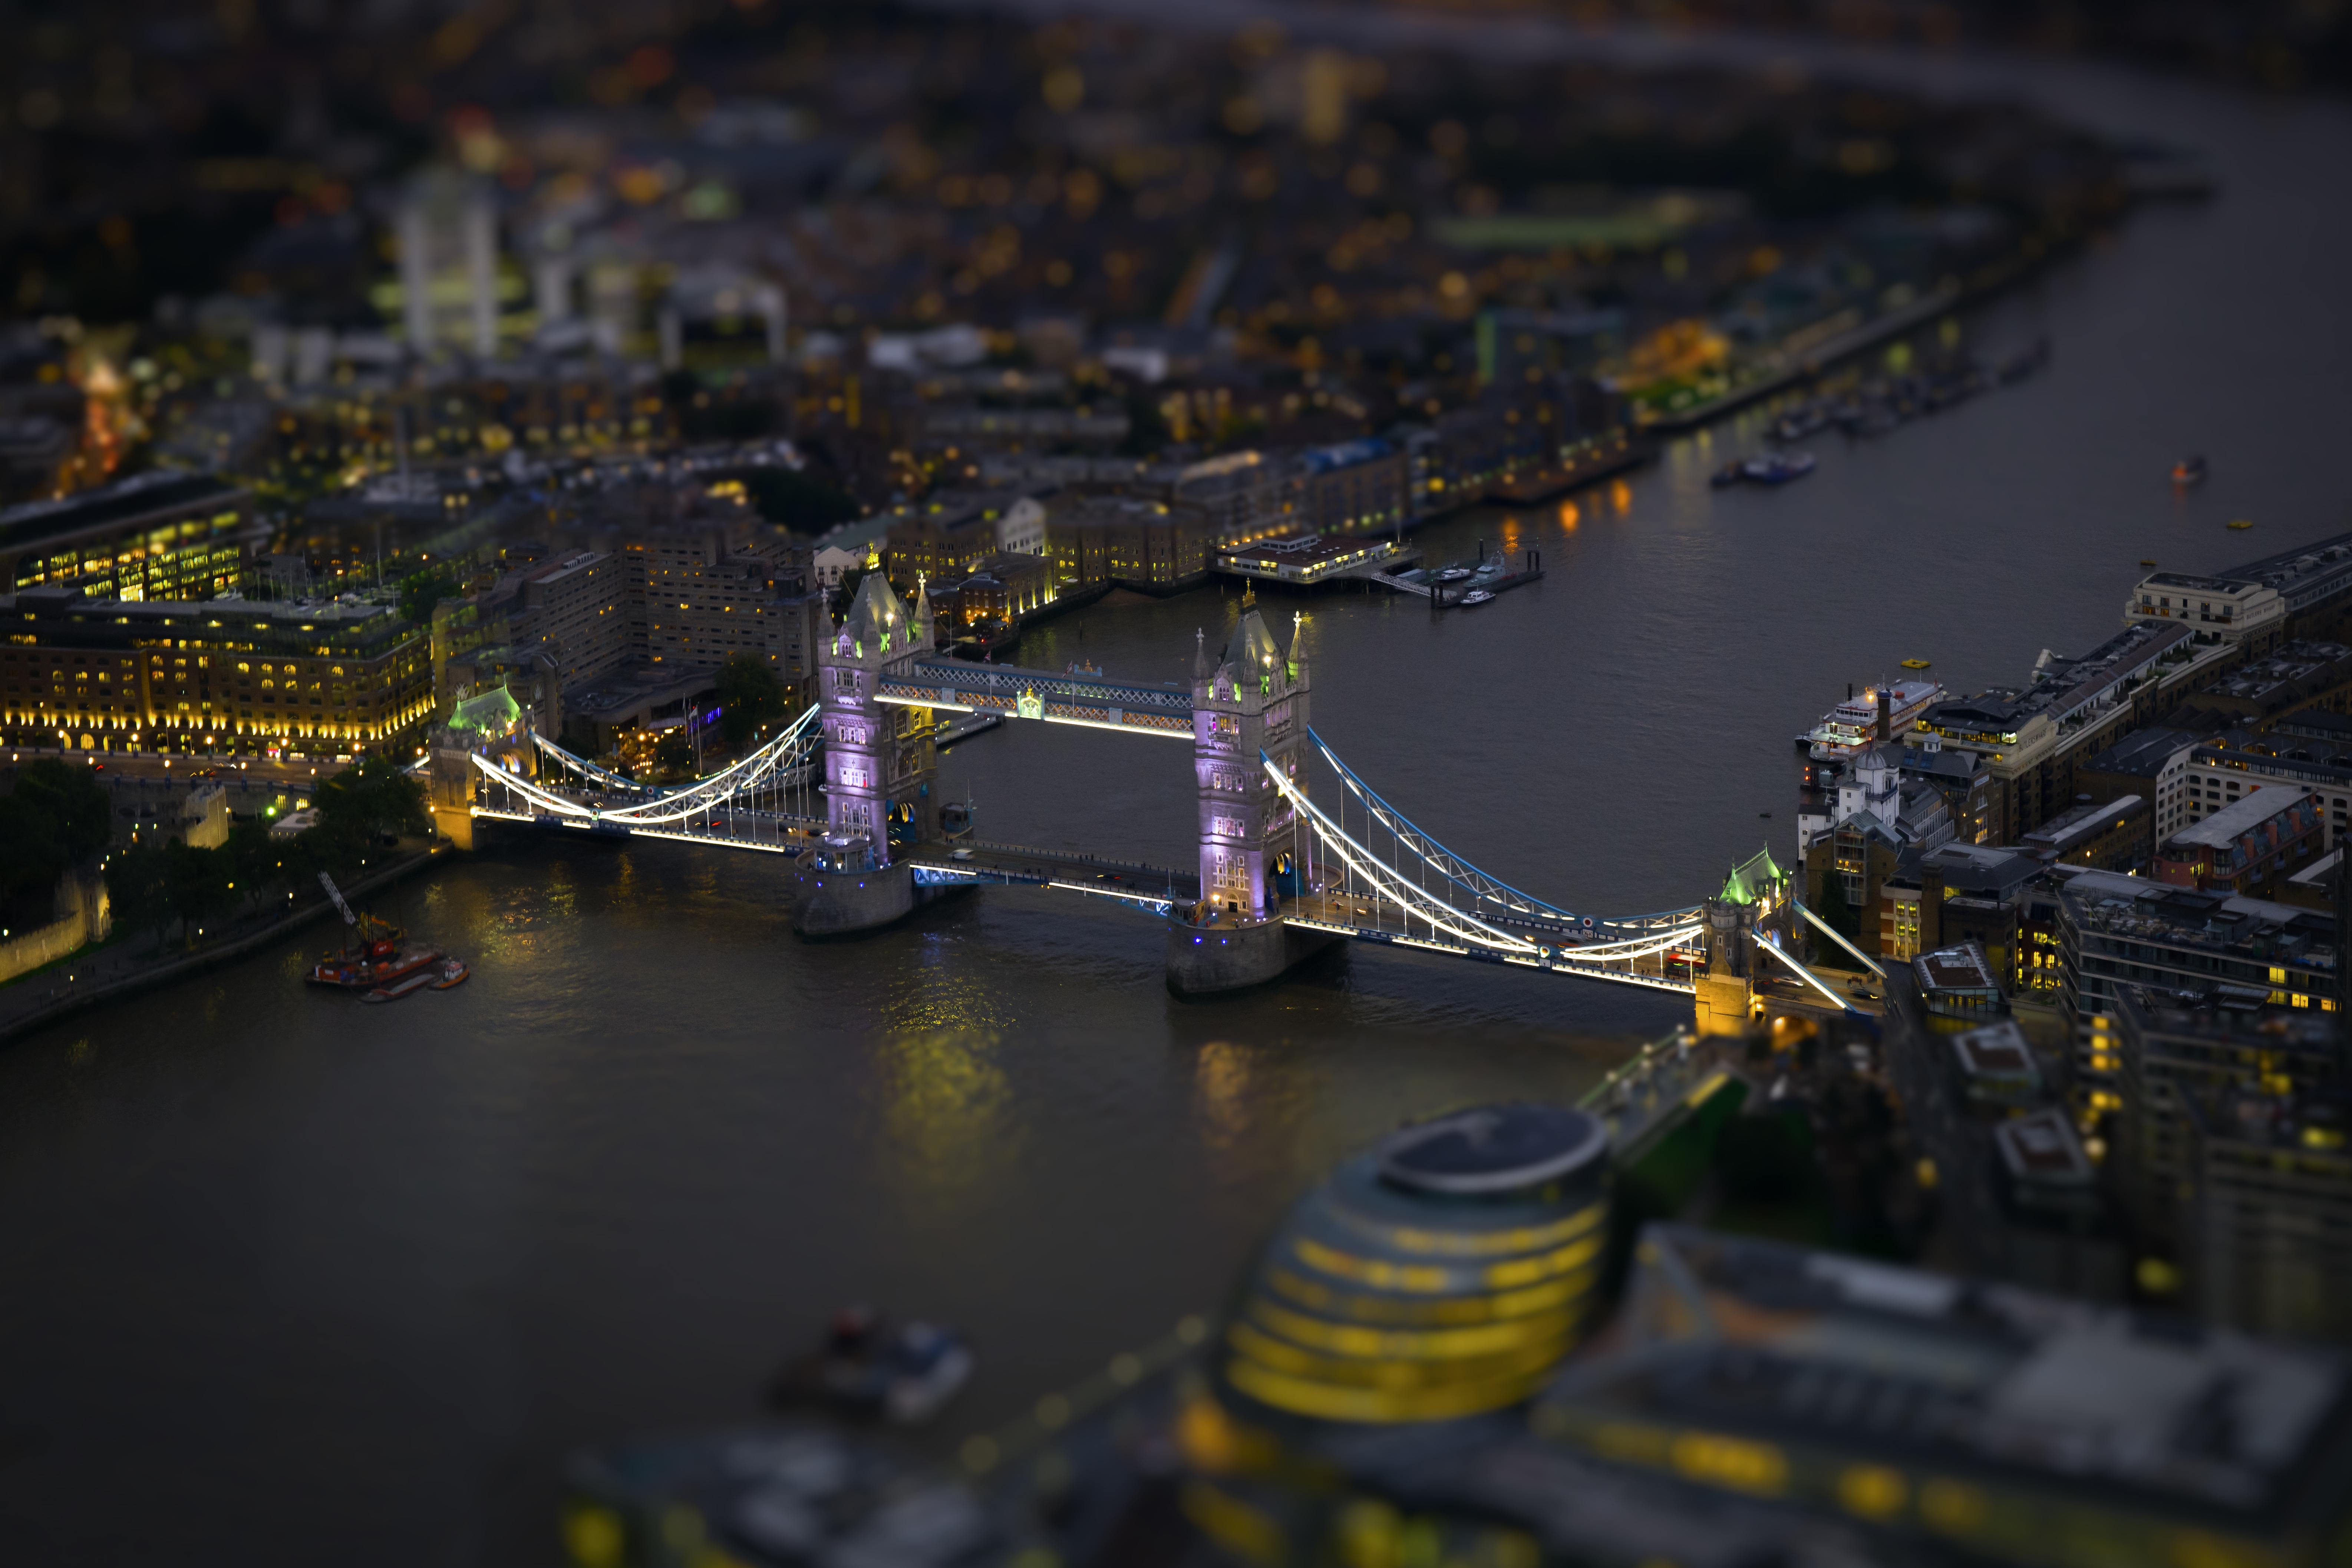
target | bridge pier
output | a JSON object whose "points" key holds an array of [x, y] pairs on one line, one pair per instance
{"points": [[1213, 960], [847, 903]]}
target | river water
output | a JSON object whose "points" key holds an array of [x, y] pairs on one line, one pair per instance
{"points": [[291, 1281]]}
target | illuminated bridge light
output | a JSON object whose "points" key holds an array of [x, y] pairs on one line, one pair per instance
{"points": [[1442, 1274]]}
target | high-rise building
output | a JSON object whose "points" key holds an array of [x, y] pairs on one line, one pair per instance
{"points": [[447, 231], [2119, 932]]}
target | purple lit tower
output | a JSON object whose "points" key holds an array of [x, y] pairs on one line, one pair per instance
{"points": [[1252, 848], [878, 755]]}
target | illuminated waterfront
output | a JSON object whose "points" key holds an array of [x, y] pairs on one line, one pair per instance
{"points": [[390, 1263]]}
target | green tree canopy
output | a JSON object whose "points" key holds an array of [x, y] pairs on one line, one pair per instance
{"points": [[139, 889], [55, 816], [749, 697], [1836, 910], [369, 798], [787, 497], [84, 816], [199, 881]]}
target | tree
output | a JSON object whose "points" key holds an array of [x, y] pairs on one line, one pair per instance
{"points": [[370, 798], [139, 889], [55, 816], [673, 754], [1834, 908], [794, 501], [32, 851], [199, 880], [255, 861], [749, 696]]}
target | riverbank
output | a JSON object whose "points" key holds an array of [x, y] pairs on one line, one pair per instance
{"points": [[111, 972]]}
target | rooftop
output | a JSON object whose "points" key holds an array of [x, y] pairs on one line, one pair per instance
{"points": [[2159, 913], [2071, 827], [2143, 754], [141, 496], [1962, 968], [1768, 1344], [2224, 827], [2292, 566], [2041, 1147], [2315, 724]]}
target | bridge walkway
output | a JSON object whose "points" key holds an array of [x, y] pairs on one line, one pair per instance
{"points": [[981, 861]]}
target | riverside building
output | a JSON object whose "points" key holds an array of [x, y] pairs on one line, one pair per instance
{"points": [[2229, 769], [2257, 606], [224, 676], [2032, 737]]}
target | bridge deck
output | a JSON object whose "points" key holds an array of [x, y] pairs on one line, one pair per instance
{"points": [[769, 832]]}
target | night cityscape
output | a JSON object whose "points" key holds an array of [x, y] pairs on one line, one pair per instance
{"points": [[1745, 966]]}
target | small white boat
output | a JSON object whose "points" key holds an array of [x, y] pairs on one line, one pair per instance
{"points": [[1478, 596]]}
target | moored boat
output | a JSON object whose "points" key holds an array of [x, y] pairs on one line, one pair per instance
{"points": [[1778, 467], [1852, 726], [1476, 596], [453, 974], [870, 1367], [367, 969]]}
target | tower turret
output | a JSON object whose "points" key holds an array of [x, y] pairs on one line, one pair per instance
{"points": [[1253, 701]]}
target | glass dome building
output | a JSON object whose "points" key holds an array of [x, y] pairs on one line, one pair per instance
{"points": [[1441, 1274]]}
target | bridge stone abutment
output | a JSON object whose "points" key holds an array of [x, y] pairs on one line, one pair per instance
{"points": [[1252, 702]]}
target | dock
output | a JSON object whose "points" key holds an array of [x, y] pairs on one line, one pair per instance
{"points": [[1449, 595]]}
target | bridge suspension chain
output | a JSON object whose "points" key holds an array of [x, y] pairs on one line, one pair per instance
{"points": [[1486, 888], [779, 756], [1390, 883]]}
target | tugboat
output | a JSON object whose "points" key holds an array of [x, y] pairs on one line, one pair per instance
{"points": [[377, 966], [2188, 471], [452, 974], [869, 1368]]}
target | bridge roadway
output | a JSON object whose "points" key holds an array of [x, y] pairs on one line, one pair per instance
{"points": [[1368, 918]]}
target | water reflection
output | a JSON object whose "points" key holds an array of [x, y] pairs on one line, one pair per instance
{"points": [[947, 1112]]}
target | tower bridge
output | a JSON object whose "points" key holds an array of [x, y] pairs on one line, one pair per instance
{"points": [[1273, 873]]}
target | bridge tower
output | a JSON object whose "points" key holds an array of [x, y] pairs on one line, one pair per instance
{"points": [[879, 763], [1252, 699]]}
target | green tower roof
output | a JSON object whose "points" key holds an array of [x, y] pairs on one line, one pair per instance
{"points": [[492, 713], [1736, 889]]}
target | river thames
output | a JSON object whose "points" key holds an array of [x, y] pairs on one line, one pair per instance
{"points": [[291, 1281]]}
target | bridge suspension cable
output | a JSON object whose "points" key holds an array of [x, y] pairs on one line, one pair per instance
{"points": [[1390, 883], [780, 756], [1634, 932]]}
